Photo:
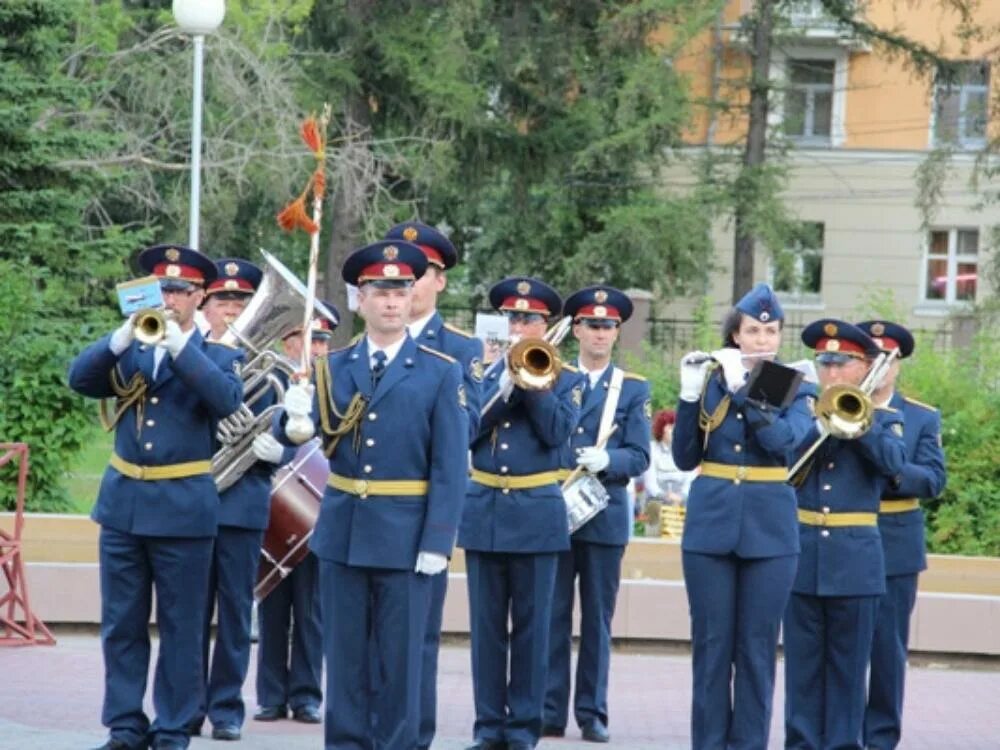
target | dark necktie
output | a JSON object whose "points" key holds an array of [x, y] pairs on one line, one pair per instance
{"points": [[378, 369]]}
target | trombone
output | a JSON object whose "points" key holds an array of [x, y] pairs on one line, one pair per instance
{"points": [[845, 411], [533, 363]]}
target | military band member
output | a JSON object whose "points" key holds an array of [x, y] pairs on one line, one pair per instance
{"points": [[158, 506], [740, 542], [243, 514], [595, 556], [901, 524], [513, 527], [392, 417], [830, 619], [290, 645], [426, 327]]}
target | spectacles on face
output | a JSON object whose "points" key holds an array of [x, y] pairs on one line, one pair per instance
{"points": [[525, 318], [600, 325], [171, 288]]}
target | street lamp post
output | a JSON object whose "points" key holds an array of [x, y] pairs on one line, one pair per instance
{"points": [[198, 18]]}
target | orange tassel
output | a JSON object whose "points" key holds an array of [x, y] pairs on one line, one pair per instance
{"points": [[312, 136], [294, 216]]}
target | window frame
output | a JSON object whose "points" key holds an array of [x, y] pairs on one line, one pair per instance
{"points": [[838, 114], [952, 261], [963, 91], [799, 299]]}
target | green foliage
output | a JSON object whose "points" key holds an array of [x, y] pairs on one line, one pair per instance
{"points": [[664, 382]]}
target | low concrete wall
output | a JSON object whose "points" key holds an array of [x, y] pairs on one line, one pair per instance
{"points": [[958, 607]]}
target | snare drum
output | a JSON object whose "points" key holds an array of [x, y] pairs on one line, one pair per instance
{"points": [[585, 498], [296, 494]]}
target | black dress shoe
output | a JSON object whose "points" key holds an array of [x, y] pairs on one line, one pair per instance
{"points": [[271, 713], [308, 715], [551, 730], [194, 727], [596, 732], [116, 744], [226, 732], [488, 745]]}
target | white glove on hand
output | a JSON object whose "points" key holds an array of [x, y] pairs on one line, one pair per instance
{"points": [[173, 339], [593, 459], [694, 365], [123, 336], [298, 407], [731, 361], [267, 448], [430, 563]]}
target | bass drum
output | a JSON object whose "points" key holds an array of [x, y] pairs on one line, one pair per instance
{"points": [[296, 494]]}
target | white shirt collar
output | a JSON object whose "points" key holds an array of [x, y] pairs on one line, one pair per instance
{"points": [[416, 327], [390, 351], [594, 375]]}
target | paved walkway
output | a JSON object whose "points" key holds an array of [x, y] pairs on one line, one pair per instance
{"points": [[50, 699]]}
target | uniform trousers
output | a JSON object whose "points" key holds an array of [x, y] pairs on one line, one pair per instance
{"points": [[828, 641], [736, 605], [513, 588], [429, 668], [131, 567], [289, 674], [235, 557], [597, 567], [380, 608], [884, 713]]}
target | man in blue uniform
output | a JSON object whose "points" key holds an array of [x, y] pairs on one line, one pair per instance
{"points": [[622, 399], [426, 327], [243, 515], [290, 645], [901, 523], [513, 527], [392, 417], [830, 620], [158, 506]]}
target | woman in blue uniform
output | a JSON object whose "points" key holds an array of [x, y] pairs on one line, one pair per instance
{"points": [[740, 543]]}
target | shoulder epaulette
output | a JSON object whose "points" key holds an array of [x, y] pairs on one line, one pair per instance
{"points": [[436, 353], [569, 367], [888, 409], [221, 343], [459, 331], [343, 348], [356, 339], [635, 376], [913, 401]]}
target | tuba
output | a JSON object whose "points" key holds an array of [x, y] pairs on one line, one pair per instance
{"points": [[276, 307]]}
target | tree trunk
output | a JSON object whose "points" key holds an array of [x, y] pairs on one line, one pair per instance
{"points": [[756, 146]]}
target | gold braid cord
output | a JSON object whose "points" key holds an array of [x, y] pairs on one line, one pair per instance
{"points": [[126, 395], [349, 420], [709, 422]]}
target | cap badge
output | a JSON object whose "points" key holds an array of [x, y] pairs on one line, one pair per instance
{"points": [[172, 254], [600, 296], [173, 271], [232, 284], [521, 304], [390, 270], [390, 253], [878, 329], [830, 329], [232, 269], [764, 316], [523, 287], [833, 345], [600, 311], [410, 234]]}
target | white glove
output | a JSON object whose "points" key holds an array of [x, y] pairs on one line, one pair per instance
{"points": [[123, 336], [267, 448], [298, 407], [173, 338], [593, 459], [430, 563], [732, 367], [694, 365]]}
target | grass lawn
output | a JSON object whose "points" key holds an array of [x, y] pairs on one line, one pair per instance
{"points": [[84, 475]]}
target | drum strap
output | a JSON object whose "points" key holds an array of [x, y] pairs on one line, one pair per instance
{"points": [[611, 402]]}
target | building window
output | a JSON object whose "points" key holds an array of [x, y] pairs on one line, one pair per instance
{"points": [[961, 106], [952, 265], [808, 114], [797, 275]]}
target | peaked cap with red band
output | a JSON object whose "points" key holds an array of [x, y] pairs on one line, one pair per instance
{"points": [[888, 336], [599, 303], [236, 277], [175, 263], [829, 335], [436, 246], [525, 295], [386, 261], [323, 325]]}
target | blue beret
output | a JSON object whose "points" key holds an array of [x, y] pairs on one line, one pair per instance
{"points": [[436, 246], [761, 303]]}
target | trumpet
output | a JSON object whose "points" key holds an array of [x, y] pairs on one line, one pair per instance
{"points": [[150, 324], [845, 411]]}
